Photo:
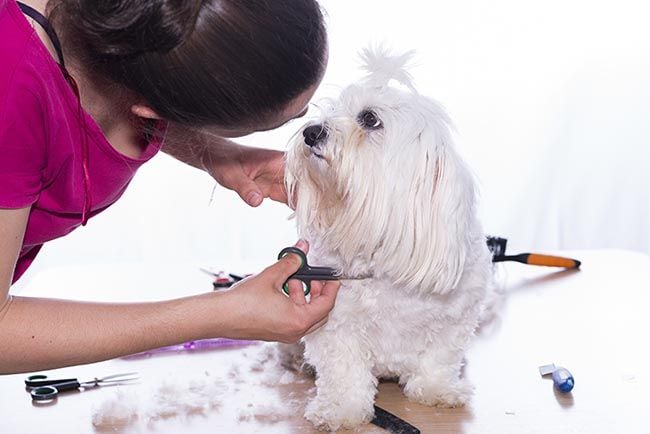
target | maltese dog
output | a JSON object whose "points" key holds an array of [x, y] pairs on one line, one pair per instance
{"points": [[382, 195]]}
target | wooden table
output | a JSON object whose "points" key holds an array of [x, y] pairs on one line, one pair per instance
{"points": [[595, 322]]}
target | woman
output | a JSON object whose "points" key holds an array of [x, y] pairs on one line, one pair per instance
{"points": [[89, 91]]}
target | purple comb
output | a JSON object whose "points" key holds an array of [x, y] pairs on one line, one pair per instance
{"points": [[200, 345]]}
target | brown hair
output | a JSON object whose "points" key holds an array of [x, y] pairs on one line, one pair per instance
{"points": [[200, 62]]}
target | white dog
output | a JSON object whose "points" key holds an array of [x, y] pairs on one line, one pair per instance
{"points": [[382, 196]]}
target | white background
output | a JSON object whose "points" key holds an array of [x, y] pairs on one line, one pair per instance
{"points": [[550, 99]]}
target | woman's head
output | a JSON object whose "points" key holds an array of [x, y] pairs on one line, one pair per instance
{"points": [[232, 64]]}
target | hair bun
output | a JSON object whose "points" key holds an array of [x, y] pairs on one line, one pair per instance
{"points": [[130, 27]]}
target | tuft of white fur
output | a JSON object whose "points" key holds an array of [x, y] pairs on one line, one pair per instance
{"points": [[382, 66], [396, 203], [119, 412]]}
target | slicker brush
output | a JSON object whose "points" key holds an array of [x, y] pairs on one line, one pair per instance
{"points": [[498, 248]]}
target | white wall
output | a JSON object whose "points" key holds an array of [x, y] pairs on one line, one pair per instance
{"points": [[551, 100]]}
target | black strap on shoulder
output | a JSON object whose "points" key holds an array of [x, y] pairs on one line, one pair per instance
{"points": [[43, 22]]}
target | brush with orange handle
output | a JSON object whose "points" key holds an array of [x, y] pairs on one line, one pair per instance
{"points": [[498, 248]]}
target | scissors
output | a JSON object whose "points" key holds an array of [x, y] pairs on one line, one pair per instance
{"points": [[43, 388], [306, 273], [223, 280]]}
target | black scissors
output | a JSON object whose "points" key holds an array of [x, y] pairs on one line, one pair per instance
{"points": [[306, 273], [42, 388]]}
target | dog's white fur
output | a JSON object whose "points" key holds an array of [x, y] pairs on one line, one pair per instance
{"points": [[398, 204]]}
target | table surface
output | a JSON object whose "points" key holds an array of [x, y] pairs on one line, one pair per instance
{"points": [[595, 322]]}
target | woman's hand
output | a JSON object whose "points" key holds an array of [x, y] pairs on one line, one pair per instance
{"points": [[260, 310], [65, 332], [253, 173]]}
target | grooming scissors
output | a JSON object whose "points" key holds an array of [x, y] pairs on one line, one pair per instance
{"points": [[306, 273], [42, 388]]}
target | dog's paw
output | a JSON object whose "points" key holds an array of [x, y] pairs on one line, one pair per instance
{"points": [[448, 394], [332, 416]]}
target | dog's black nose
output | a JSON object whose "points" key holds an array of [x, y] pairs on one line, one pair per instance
{"points": [[314, 134]]}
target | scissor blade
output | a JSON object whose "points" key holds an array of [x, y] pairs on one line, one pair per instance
{"points": [[359, 277], [328, 276], [320, 270], [210, 272], [313, 276], [118, 381], [119, 378]]}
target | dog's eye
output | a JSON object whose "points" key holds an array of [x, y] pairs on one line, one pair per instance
{"points": [[368, 119]]}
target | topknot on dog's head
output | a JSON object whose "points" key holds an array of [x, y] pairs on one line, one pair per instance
{"points": [[383, 66]]}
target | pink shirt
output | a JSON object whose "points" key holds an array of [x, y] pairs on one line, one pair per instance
{"points": [[41, 161]]}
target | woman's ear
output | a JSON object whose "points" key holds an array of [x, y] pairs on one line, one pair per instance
{"points": [[144, 111]]}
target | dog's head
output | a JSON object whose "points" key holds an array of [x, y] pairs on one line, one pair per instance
{"points": [[376, 180]]}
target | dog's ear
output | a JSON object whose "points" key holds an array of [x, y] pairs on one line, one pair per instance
{"points": [[438, 218], [453, 221]]}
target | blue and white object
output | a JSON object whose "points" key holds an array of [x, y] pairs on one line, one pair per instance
{"points": [[562, 378]]}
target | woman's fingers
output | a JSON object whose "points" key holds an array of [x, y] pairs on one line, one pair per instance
{"points": [[319, 306], [316, 288], [285, 267], [288, 265], [302, 245], [296, 292]]}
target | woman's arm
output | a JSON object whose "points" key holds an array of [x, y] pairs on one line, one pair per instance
{"points": [[38, 334], [253, 173]]}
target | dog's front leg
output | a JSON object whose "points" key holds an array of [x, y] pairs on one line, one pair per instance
{"points": [[436, 378], [345, 386]]}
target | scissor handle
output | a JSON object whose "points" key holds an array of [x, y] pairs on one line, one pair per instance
{"points": [[303, 258], [47, 393], [41, 380], [44, 393], [306, 283]]}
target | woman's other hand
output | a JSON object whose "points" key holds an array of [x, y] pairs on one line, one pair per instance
{"points": [[253, 173]]}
